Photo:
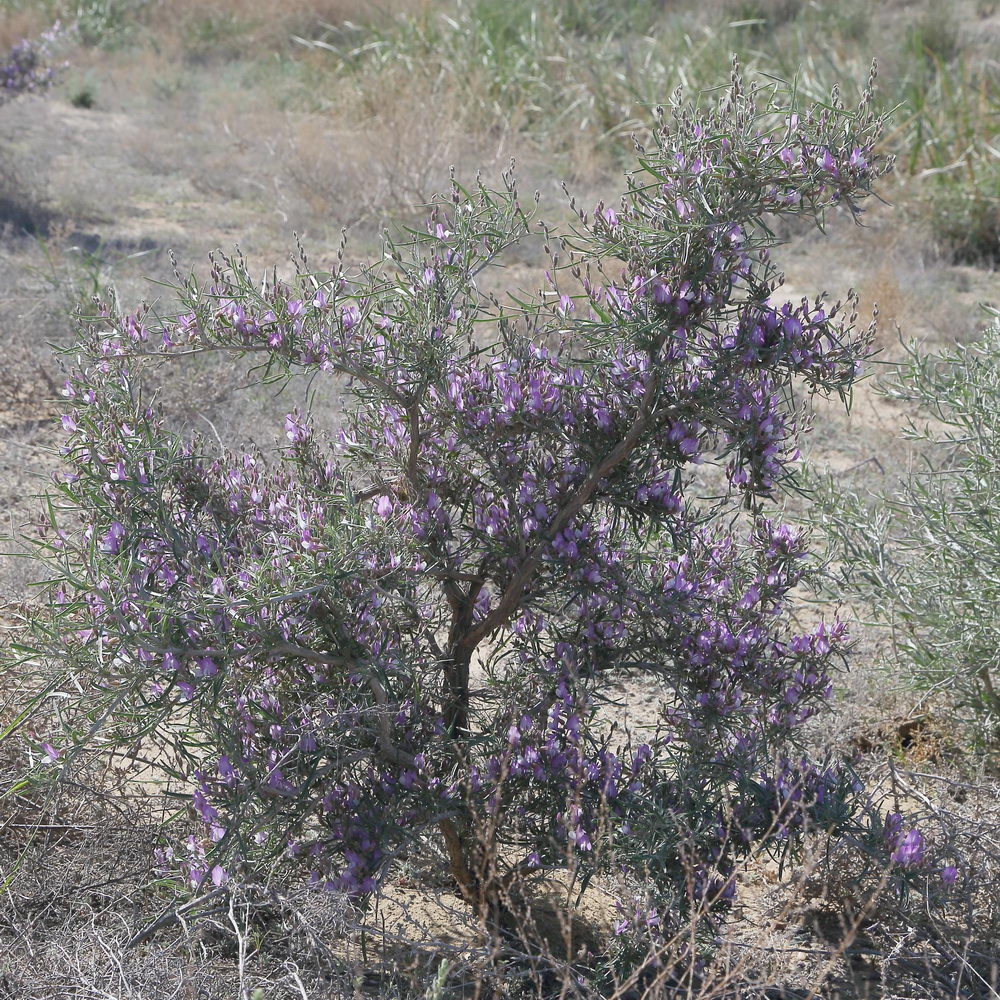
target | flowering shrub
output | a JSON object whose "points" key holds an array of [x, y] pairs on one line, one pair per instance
{"points": [[409, 632], [25, 67]]}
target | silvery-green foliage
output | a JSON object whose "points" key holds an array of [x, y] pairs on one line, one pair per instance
{"points": [[927, 556]]}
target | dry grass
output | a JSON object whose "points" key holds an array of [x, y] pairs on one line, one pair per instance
{"points": [[19, 23], [213, 29], [389, 163]]}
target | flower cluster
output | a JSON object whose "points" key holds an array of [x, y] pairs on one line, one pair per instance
{"points": [[906, 847], [407, 628], [25, 68]]}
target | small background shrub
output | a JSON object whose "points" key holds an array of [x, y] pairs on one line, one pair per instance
{"points": [[926, 558], [26, 68]]}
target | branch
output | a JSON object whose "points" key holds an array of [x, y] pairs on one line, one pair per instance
{"points": [[337, 365], [387, 748], [172, 917], [512, 596]]}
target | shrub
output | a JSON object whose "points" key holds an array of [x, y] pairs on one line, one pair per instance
{"points": [[410, 634], [25, 67], [22, 207], [107, 23], [926, 557]]}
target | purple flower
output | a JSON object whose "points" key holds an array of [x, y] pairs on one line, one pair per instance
{"points": [[205, 666], [111, 542], [907, 849], [295, 429]]}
